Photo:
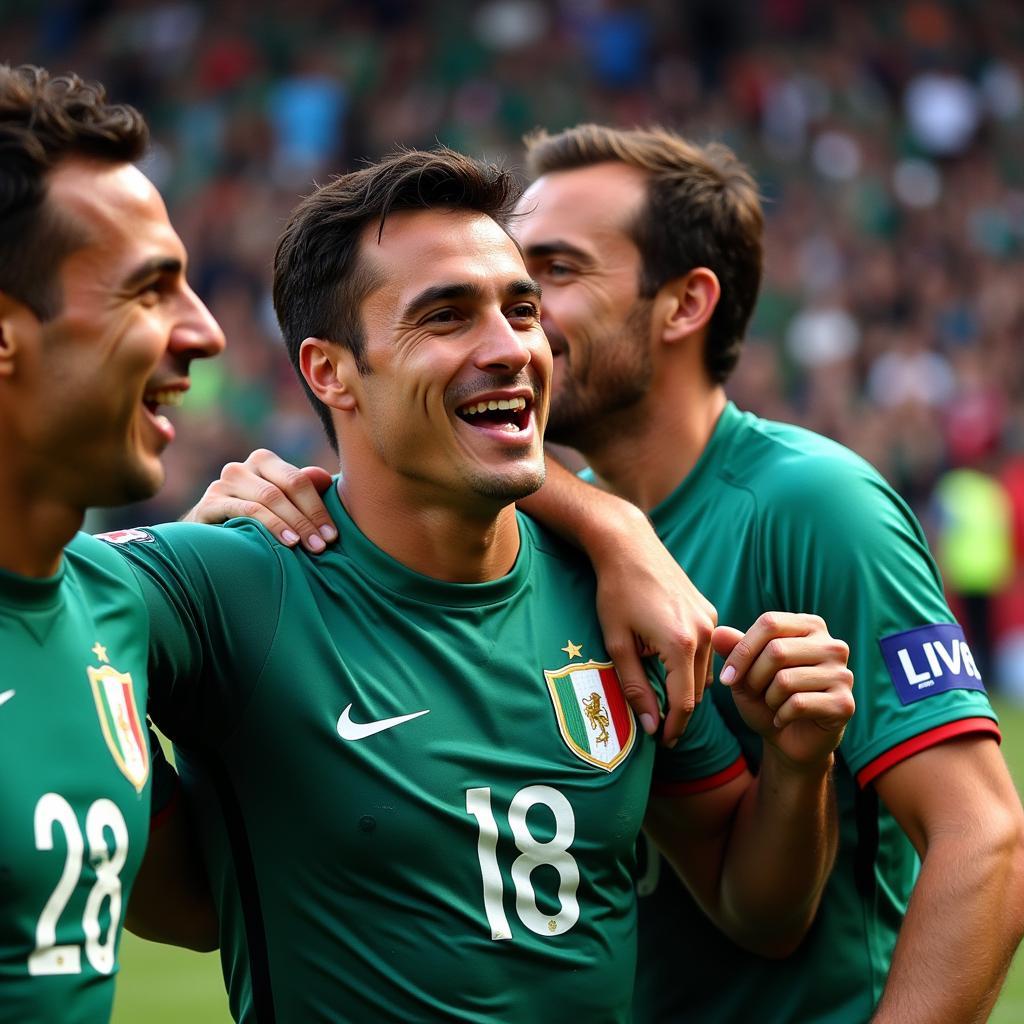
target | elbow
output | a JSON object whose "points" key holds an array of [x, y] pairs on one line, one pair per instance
{"points": [[198, 929], [1010, 844], [205, 942], [774, 938], [778, 944]]}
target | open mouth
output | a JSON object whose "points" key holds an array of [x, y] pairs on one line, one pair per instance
{"points": [[171, 397], [509, 414], [152, 399]]}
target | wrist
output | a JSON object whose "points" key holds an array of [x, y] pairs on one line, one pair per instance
{"points": [[781, 765]]}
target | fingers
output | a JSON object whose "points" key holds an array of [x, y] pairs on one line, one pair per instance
{"points": [[766, 640], [724, 639], [808, 693], [633, 677], [286, 500], [820, 652], [318, 477], [685, 678]]}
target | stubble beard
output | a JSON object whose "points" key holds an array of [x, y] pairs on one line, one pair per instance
{"points": [[508, 489], [618, 377]]}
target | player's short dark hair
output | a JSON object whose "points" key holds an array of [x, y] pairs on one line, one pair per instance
{"points": [[45, 120], [702, 210], [320, 281]]}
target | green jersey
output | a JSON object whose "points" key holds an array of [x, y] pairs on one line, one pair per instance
{"points": [[74, 782], [418, 800], [773, 517]]}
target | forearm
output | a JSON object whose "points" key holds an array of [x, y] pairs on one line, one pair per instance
{"points": [[778, 858], [584, 515], [963, 924], [171, 901]]}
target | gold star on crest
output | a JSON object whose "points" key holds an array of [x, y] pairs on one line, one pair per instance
{"points": [[100, 651], [573, 650]]}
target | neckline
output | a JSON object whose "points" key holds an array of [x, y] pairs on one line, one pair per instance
{"points": [[30, 592], [391, 574]]}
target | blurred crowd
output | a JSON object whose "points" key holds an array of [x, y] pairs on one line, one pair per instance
{"points": [[887, 136]]}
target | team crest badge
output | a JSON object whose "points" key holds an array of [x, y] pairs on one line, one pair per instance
{"points": [[595, 721], [120, 722]]}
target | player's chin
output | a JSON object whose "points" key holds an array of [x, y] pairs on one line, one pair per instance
{"points": [[510, 482], [141, 473]]}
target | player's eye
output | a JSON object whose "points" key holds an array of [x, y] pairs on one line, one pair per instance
{"points": [[524, 311], [153, 291], [559, 269], [443, 316]]}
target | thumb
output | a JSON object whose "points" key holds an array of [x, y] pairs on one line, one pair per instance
{"points": [[724, 639], [318, 477]]}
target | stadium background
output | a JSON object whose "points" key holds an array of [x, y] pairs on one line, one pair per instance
{"points": [[888, 140]]}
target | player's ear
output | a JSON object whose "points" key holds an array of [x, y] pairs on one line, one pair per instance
{"points": [[331, 372], [16, 320], [686, 304]]}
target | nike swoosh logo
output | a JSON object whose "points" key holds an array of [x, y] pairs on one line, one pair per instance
{"points": [[6, 696], [349, 730]]}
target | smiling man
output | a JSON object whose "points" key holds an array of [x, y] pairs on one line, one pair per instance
{"points": [[418, 782], [98, 327], [649, 251]]}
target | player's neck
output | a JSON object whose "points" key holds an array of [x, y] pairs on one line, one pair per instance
{"points": [[33, 528], [433, 537], [647, 463]]}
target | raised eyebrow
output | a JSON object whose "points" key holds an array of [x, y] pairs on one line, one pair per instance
{"points": [[153, 267]]}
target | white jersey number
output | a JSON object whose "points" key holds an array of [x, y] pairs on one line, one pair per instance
{"points": [[103, 816], [532, 853]]}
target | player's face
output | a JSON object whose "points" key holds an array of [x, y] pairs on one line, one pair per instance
{"points": [[574, 233], [121, 345], [456, 396]]}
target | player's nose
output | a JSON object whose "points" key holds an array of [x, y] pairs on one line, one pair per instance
{"points": [[197, 335], [503, 346]]}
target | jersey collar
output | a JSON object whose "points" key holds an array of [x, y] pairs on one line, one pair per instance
{"points": [[391, 574]]}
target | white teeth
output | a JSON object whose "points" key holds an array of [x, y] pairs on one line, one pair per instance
{"points": [[168, 396], [493, 405]]}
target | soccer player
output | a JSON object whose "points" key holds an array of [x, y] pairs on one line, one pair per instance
{"points": [[417, 781], [97, 330], [649, 251]]}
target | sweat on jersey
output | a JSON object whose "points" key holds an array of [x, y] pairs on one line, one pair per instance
{"points": [[773, 517], [418, 800]]}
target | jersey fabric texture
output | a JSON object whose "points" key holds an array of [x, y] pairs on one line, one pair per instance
{"points": [[75, 770], [774, 517], [418, 800]]}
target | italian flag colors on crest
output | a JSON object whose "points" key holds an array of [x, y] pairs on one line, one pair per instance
{"points": [[120, 723], [593, 716]]}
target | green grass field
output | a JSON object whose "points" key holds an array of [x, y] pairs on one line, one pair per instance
{"points": [[163, 985]]}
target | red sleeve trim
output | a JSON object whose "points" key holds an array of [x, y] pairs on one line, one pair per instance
{"points": [[161, 816], [931, 738], [691, 786]]}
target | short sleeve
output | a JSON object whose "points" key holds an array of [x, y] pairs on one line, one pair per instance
{"points": [[706, 756], [213, 595], [837, 541]]}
